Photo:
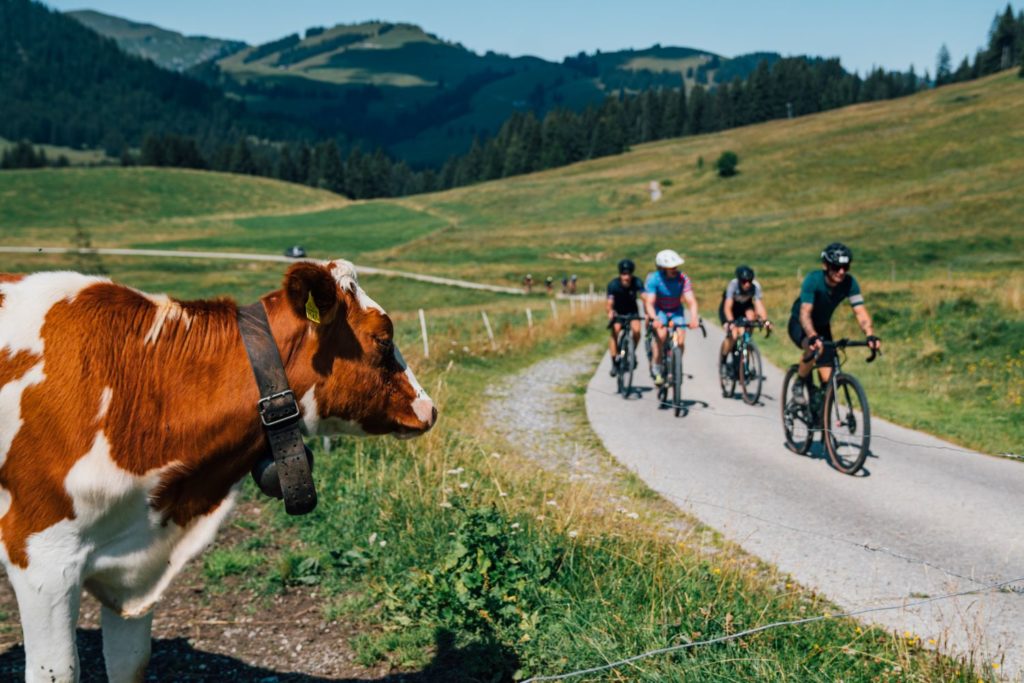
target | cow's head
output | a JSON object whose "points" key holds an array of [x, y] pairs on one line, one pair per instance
{"points": [[360, 383]]}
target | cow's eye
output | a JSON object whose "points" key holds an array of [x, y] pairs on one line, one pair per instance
{"points": [[384, 343]]}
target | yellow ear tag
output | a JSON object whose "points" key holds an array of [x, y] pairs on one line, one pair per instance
{"points": [[312, 312]]}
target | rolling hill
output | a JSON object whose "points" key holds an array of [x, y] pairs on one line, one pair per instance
{"points": [[925, 189], [167, 49]]}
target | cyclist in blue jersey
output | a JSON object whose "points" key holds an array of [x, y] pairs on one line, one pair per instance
{"points": [[665, 292], [810, 321]]}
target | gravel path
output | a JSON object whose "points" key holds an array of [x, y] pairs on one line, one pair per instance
{"points": [[927, 518], [532, 411]]}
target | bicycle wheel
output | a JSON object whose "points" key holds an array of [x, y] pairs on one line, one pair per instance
{"points": [[677, 379], [847, 424], [726, 378], [796, 418], [750, 374], [619, 361], [627, 366]]}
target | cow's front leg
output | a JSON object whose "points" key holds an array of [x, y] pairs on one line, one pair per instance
{"points": [[126, 646], [48, 599]]}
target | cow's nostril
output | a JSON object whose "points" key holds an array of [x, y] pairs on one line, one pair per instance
{"points": [[433, 416]]}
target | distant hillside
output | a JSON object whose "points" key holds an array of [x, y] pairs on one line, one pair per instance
{"points": [[63, 84], [168, 49], [425, 98]]}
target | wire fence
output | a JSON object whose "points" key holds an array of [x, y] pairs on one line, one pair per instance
{"points": [[767, 627]]}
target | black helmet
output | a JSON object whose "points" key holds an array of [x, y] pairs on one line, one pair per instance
{"points": [[626, 266], [837, 254], [744, 273]]}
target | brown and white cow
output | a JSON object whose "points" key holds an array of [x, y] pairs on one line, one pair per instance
{"points": [[128, 421]]}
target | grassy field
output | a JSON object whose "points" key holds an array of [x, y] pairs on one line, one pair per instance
{"points": [[461, 558], [925, 189]]}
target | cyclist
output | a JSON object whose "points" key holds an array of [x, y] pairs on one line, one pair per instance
{"points": [[665, 292], [742, 298], [810, 321], [622, 293]]}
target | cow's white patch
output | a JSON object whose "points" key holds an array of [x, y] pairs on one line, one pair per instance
{"points": [[10, 406], [346, 277], [310, 412], [105, 398], [27, 301], [166, 309], [422, 405]]}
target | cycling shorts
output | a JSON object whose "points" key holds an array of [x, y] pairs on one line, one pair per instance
{"points": [[739, 310], [797, 334], [678, 317]]}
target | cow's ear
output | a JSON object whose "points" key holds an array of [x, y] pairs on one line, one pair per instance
{"points": [[312, 292]]}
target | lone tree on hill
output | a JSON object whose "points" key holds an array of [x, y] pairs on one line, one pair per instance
{"points": [[726, 164]]}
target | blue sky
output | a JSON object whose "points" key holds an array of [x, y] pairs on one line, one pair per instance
{"points": [[890, 33]]}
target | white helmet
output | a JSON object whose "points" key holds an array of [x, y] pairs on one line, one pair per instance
{"points": [[667, 258]]}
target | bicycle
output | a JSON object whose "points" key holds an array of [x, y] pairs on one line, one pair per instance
{"points": [[840, 408], [672, 369], [746, 364], [625, 362]]}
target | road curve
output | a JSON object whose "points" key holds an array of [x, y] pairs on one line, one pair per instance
{"points": [[928, 518]]}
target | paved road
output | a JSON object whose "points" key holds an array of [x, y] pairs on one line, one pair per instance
{"points": [[926, 520]]}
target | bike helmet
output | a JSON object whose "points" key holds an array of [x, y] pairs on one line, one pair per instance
{"points": [[667, 258], [626, 266], [837, 254], [744, 273]]}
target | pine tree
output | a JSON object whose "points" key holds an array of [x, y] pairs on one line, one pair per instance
{"points": [[943, 67]]}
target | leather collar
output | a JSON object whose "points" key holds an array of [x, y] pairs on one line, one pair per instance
{"points": [[287, 471]]}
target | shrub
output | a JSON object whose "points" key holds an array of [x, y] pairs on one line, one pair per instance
{"points": [[726, 164]]}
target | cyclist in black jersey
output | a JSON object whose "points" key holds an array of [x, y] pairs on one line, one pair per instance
{"points": [[742, 298], [810, 320], [622, 293]]}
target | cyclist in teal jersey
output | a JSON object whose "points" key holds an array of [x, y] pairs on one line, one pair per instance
{"points": [[665, 292], [810, 320]]}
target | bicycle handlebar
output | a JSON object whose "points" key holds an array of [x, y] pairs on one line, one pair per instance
{"points": [[744, 322], [846, 343]]}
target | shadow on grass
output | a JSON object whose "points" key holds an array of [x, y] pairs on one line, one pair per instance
{"points": [[174, 659]]}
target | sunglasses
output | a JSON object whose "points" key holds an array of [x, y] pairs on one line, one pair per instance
{"points": [[835, 267]]}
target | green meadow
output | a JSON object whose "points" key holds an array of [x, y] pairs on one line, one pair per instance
{"points": [[925, 189]]}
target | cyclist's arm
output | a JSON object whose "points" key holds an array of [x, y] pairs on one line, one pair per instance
{"points": [[727, 309], [805, 319], [649, 306], [609, 300], [760, 310], [691, 303], [864, 320]]}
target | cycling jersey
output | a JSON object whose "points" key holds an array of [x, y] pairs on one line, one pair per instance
{"points": [[624, 298], [825, 299], [667, 292], [735, 292]]}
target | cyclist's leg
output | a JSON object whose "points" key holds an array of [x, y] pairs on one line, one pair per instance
{"points": [[679, 320], [660, 332], [635, 326], [800, 338], [613, 340], [825, 360]]}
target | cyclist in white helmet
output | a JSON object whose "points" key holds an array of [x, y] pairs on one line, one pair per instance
{"points": [[665, 292]]}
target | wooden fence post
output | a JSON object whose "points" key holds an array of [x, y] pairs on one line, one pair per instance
{"points": [[490, 332], [529, 319], [423, 329], [554, 310]]}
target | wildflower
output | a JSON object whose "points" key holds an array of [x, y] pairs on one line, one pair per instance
{"points": [[457, 470], [573, 534], [540, 518], [495, 455], [716, 571], [633, 515], [503, 494], [383, 544], [445, 504], [553, 503], [373, 538], [464, 485], [515, 525]]}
